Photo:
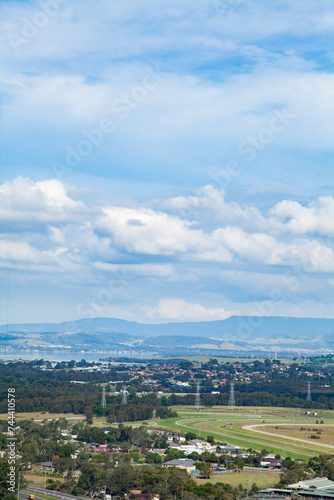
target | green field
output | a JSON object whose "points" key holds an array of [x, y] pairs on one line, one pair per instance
{"points": [[261, 479], [229, 427]]}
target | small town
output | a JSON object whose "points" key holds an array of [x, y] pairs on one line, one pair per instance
{"points": [[159, 430]]}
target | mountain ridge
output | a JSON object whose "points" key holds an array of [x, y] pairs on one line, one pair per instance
{"points": [[234, 327]]}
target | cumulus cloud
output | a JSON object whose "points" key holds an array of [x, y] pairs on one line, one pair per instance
{"points": [[26, 200], [19, 251], [173, 244], [265, 249], [80, 237], [174, 309], [88, 234], [146, 231], [210, 202], [316, 218]]}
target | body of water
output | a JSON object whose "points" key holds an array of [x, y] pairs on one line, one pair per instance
{"points": [[55, 356]]}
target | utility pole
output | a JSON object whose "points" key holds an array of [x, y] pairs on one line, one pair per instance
{"points": [[18, 487], [198, 397], [308, 397], [231, 402], [104, 401], [125, 396]]}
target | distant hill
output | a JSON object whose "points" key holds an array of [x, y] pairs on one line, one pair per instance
{"points": [[243, 328]]}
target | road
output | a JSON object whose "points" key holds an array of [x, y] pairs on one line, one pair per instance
{"points": [[24, 496], [56, 494]]}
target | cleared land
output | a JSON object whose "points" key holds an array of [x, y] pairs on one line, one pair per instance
{"points": [[261, 479], [39, 416], [324, 433], [37, 480]]}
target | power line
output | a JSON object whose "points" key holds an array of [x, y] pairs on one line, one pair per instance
{"points": [[198, 396], [104, 401], [125, 396], [231, 401], [308, 397]]}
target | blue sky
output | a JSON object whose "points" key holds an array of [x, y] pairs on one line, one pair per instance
{"points": [[166, 161]]}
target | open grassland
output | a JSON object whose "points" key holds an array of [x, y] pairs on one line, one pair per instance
{"points": [[261, 479], [324, 433], [38, 480], [39, 416]]}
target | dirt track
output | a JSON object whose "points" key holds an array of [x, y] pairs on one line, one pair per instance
{"points": [[253, 428]]}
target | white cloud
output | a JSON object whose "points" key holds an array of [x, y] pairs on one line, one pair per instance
{"points": [[26, 200], [210, 202], [174, 309], [263, 248], [80, 237], [20, 255], [18, 251], [316, 218], [79, 234], [146, 231]]}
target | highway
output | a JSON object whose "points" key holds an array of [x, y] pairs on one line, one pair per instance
{"points": [[55, 494]]}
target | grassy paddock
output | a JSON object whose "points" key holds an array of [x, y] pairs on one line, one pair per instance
{"points": [[37, 480], [43, 415], [302, 431], [261, 479]]}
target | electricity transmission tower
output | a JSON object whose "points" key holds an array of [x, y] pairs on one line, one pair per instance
{"points": [[308, 397], [125, 396], [198, 397], [104, 401], [231, 401]]}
